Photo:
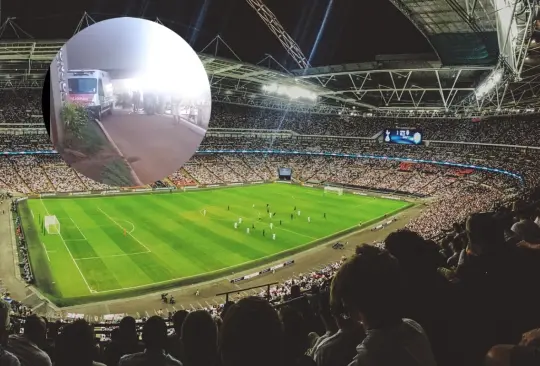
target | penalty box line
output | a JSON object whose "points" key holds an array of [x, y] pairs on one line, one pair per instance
{"points": [[70, 254], [123, 228]]}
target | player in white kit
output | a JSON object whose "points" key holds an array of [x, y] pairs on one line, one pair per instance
{"points": [[273, 236], [271, 225], [308, 219], [235, 225]]}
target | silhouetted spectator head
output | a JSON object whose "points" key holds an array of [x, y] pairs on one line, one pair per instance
{"points": [[527, 230], [484, 233], [295, 291], [296, 340], [75, 345], [407, 246], [154, 333], [368, 286], [4, 321], [199, 339], [178, 319], [251, 334], [128, 329], [35, 329]]}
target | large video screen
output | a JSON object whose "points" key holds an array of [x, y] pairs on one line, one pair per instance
{"points": [[285, 172], [404, 136]]}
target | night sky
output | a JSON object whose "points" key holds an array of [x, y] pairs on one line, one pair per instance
{"points": [[355, 30]]}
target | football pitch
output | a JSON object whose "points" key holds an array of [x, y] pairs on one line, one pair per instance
{"points": [[109, 247]]}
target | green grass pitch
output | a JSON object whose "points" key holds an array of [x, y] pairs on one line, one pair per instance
{"points": [[110, 245]]}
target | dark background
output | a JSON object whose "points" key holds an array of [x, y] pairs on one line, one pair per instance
{"points": [[354, 30]]}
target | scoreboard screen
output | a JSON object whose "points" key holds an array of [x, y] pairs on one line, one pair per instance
{"points": [[285, 172], [404, 136]]}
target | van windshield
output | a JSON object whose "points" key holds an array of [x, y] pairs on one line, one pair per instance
{"points": [[82, 85]]}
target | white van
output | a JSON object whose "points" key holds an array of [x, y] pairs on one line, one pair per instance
{"points": [[93, 89]]}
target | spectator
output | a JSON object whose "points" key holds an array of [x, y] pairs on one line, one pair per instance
{"points": [[75, 345], [125, 342], [251, 334], [199, 339], [431, 299], [155, 340], [296, 341], [175, 344], [327, 319], [27, 346], [368, 285], [526, 353], [6, 358], [340, 348]]}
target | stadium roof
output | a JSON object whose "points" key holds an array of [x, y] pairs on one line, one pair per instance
{"points": [[462, 32], [390, 84]]}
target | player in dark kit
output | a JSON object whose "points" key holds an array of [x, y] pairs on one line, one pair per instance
{"points": [[228, 208], [294, 208], [280, 222], [253, 226], [292, 216], [325, 215], [264, 233], [274, 214]]}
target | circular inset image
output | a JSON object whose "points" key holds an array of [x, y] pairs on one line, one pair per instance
{"points": [[129, 102]]}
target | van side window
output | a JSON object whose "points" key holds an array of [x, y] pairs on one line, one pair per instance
{"points": [[101, 93]]}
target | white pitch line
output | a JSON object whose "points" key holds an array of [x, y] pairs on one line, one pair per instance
{"points": [[121, 227], [77, 226], [70, 254], [111, 256], [46, 252]]}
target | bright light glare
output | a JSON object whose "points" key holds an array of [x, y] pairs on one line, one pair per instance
{"points": [[172, 66], [491, 82], [292, 92]]}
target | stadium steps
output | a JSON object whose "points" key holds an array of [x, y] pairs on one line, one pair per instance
{"points": [[436, 176], [244, 178], [169, 182], [21, 178], [47, 176], [187, 175], [80, 180], [219, 180], [405, 182]]}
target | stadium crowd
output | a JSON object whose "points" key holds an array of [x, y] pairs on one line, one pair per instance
{"points": [[467, 298]]}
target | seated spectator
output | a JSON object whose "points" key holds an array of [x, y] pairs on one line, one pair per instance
{"points": [[6, 358], [340, 348], [251, 334], [175, 344], [155, 340], [327, 319], [125, 342], [75, 345], [431, 299], [497, 277], [296, 341], [199, 339], [369, 287], [27, 346], [526, 353]]}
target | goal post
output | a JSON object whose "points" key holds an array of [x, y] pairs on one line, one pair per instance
{"points": [[51, 224], [336, 190]]}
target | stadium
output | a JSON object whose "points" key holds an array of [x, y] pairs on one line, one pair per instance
{"points": [[301, 168]]}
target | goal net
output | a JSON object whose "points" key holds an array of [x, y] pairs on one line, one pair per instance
{"points": [[52, 225], [338, 191]]}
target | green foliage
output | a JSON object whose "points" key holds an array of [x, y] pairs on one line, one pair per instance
{"points": [[75, 119], [117, 174]]}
